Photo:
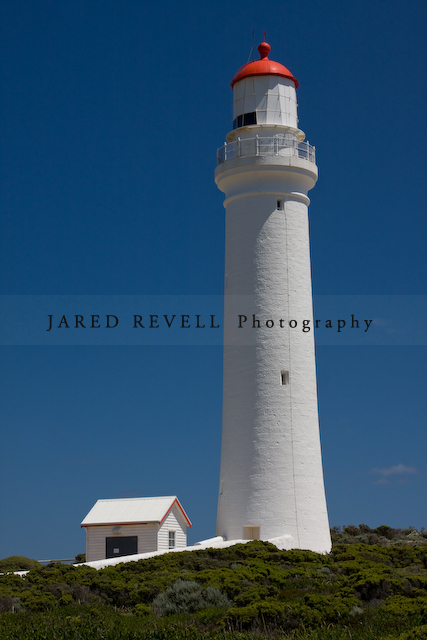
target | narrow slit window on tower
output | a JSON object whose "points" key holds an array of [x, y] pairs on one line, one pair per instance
{"points": [[284, 377], [279, 204]]}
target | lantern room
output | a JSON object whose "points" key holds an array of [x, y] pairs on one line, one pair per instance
{"points": [[264, 93]]}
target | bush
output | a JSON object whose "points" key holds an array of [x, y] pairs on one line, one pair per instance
{"points": [[142, 609], [363, 528], [7, 603], [80, 557], [386, 532], [18, 563], [214, 598], [419, 633], [43, 602], [274, 593], [351, 530], [402, 606], [186, 596]]}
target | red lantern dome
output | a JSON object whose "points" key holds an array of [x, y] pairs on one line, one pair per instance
{"points": [[263, 67]]}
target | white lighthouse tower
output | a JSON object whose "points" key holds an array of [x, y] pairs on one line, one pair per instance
{"points": [[271, 479]]}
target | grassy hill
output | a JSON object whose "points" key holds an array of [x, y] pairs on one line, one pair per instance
{"points": [[372, 585]]}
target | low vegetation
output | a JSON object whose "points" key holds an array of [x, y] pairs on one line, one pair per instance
{"points": [[17, 563], [373, 585]]}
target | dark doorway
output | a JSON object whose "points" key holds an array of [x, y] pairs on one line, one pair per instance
{"points": [[121, 546]]}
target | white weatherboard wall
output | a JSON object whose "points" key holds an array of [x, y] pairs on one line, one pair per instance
{"points": [[95, 538], [271, 469], [173, 522]]}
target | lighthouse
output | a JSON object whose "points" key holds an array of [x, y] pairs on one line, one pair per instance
{"points": [[271, 477]]}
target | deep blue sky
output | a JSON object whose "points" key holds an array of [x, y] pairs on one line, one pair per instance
{"points": [[111, 113]]}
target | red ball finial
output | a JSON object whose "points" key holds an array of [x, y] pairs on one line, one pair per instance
{"points": [[263, 50]]}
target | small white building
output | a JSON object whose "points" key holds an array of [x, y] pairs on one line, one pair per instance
{"points": [[125, 526]]}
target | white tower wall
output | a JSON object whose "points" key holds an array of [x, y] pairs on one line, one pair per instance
{"points": [[271, 470]]}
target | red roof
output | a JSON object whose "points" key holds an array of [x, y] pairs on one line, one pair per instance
{"points": [[263, 67]]}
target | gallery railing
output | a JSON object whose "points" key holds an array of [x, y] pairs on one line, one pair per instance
{"points": [[278, 145]]}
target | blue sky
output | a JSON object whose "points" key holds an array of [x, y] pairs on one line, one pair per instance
{"points": [[111, 116]]}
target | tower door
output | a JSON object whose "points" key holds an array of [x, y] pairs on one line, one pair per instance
{"points": [[251, 532], [121, 546]]}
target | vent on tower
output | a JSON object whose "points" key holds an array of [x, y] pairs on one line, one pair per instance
{"points": [[284, 377]]}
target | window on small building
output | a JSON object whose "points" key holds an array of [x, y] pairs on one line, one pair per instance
{"points": [[171, 539], [279, 204]]}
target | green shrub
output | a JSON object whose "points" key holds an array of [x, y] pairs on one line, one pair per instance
{"points": [[80, 557], [403, 606], [215, 599], [252, 594], [419, 633], [351, 530], [10, 603], [142, 609], [275, 593], [244, 615], [383, 535], [373, 587], [18, 563], [186, 596], [324, 570], [43, 602]]}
